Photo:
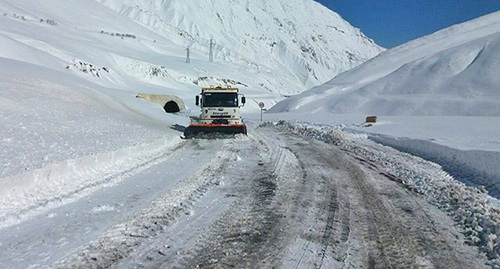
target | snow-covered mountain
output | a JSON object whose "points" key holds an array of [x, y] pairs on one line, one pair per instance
{"points": [[453, 72], [302, 39], [274, 48]]}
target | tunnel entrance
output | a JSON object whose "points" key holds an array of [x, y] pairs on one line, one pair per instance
{"points": [[171, 107]]}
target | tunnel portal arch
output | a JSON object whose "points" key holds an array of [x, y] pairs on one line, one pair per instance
{"points": [[170, 103], [171, 107]]}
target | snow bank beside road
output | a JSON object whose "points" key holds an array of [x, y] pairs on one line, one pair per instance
{"points": [[48, 116], [58, 183], [469, 207], [62, 137], [473, 167], [466, 147]]}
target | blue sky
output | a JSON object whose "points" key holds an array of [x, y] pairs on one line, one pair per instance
{"points": [[393, 22]]}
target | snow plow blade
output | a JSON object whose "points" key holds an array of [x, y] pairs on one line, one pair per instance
{"points": [[195, 130]]}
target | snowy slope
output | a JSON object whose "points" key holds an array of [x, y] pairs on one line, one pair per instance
{"points": [[453, 72]]}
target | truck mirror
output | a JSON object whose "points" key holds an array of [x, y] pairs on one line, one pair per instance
{"points": [[243, 100], [197, 102]]}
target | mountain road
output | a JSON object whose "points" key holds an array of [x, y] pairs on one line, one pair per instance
{"points": [[269, 200]]}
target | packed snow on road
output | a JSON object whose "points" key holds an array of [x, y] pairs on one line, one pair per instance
{"points": [[286, 195]]}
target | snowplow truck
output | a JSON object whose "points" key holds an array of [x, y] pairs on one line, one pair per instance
{"points": [[220, 112]]}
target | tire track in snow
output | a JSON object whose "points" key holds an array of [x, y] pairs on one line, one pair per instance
{"points": [[387, 244], [299, 204], [389, 225], [250, 232], [325, 213]]}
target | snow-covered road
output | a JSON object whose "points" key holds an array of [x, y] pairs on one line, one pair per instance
{"points": [[50, 236], [269, 200]]}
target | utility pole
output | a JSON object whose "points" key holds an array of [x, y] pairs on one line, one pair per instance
{"points": [[188, 60], [211, 53]]}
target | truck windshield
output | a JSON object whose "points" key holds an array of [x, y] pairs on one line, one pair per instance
{"points": [[220, 99]]}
